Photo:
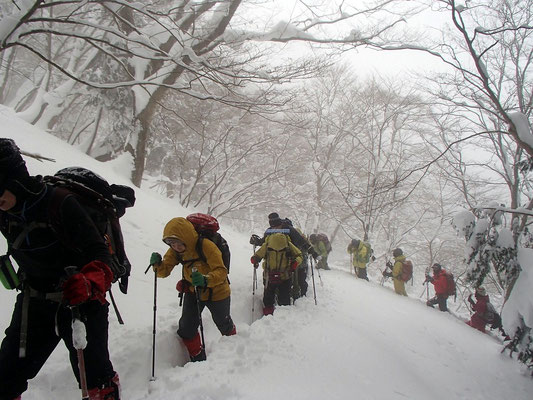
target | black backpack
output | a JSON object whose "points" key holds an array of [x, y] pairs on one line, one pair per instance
{"points": [[104, 203]]}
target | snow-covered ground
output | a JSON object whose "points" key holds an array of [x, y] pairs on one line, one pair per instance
{"points": [[360, 341]]}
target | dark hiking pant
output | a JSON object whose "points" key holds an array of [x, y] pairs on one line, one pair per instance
{"points": [[42, 340], [440, 300], [190, 320], [283, 290], [302, 278], [361, 273]]}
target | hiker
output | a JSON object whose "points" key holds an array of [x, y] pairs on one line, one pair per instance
{"points": [[206, 279], [321, 245], [440, 283], [396, 271], [281, 259], [361, 253], [479, 306], [43, 312], [300, 282], [299, 240]]}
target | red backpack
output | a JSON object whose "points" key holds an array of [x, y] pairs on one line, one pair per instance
{"points": [[450, 284], [207, 227], [407, 270]]}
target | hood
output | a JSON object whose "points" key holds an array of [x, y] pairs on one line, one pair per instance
{"points": [[183, 230]]}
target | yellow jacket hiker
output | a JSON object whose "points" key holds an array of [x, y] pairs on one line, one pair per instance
{"points": [[281, 259], [208, 278]]}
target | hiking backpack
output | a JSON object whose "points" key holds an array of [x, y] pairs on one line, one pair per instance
{"points": [[450, 284], [207, 228], [407, 270], [322, 237], [492, 317], [278, 254], [104, 203]]}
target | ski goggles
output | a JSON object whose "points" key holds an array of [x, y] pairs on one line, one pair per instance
{"points": [[173, 241]]}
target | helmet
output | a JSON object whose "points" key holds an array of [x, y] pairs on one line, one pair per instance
{"points": [[397, 252]]}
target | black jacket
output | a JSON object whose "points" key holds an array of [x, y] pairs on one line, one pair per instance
{"points": [[43, 248]]}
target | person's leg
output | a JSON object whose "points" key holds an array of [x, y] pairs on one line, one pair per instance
{"points": [[269, 297], [188, 327], [98, 367], [220, 312], [41, 340], [284, 293]]}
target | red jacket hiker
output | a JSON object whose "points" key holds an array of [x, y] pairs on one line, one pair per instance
{"points": [[440, 282], [479, 307]]}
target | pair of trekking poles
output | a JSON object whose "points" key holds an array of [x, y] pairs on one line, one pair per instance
{"points": [[254, 283], [152, 378]]}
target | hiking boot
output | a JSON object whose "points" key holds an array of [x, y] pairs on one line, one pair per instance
{"points": [[199, 357]]}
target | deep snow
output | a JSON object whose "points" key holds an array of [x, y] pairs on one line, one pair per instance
{"points": [[361, 341]]}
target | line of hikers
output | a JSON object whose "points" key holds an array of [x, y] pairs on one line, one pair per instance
{"points": [[66, 240]]}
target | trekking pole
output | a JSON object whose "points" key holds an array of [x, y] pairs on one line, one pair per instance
{"points": [[199, 314], [352, 268], [155, 320], [117, 312], [79, 340], [384, 277], [310, 259], [254, 286]]}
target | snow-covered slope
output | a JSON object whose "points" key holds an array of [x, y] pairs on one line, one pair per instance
{"points": [[361, 340]]}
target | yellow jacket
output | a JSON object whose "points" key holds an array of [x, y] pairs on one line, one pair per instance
{"points": [[398, 266], [360, 254], [213, 268]]}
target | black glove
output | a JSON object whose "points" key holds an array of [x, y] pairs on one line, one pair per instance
{"points": [[389, 264], [388, 274], [313, 252], [256, 240]]}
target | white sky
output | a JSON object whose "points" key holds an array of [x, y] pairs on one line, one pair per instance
{"points": [[361, 340]]}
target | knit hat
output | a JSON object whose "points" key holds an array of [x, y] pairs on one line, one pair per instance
{"points": [[274, 219], [436, 267], [13, 173], [12, 165], [397, 252]]}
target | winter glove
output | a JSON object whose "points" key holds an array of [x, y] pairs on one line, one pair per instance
{"points": [[294, 265], [373, 258], [155, 259], [198, 279], [318, 259], [389, 264], [255, 261], [388, 274], [256, 240], [183, 286], [313, 252], [90, 283]]}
